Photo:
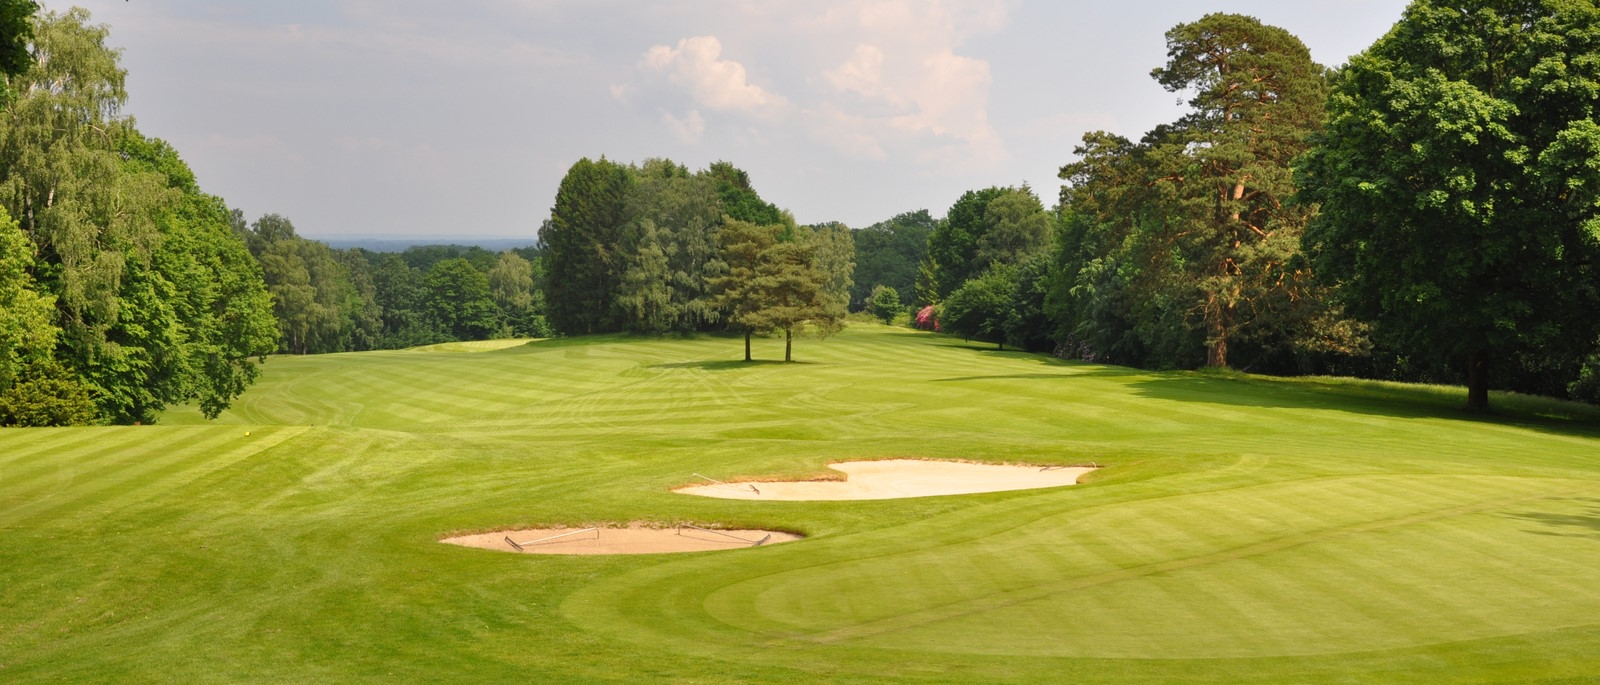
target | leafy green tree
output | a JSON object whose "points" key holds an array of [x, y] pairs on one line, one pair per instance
{"points": [[459, 299], [363, 317], [885, 303], [889, 253], [952, 256], [581, 244], [979, 309], [156, 300], [1015, 227], [35, 390], [673, 218], [739, 292], [644, 301], [1458, 186], [1189, 235], [314, 298], [16, 28], [739, 198], [423, 257], [1257, 96], [794, 295], [511, 284], [46, 395], [1587, 387], [401, 295], [1027, 326], [218, 295], [834, 252]]}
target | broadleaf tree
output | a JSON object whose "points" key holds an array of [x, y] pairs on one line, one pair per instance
{"points": [[1459, 192]]}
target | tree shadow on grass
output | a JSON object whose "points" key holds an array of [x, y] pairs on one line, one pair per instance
{"points": [[1368, 398], [729, 364], [1580, 525]]}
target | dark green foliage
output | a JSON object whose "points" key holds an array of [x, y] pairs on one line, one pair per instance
{"points": [[400, 294], [739, 198], [155, 298], [581, 246], [519, 303], [1183, 248], [738, 294], [885, 303], [1458, 187], [423, 257], [46, 394], [953, 245], [16, 28], [326, 300], [774, 284], [1027, 326], [459, 299], [889, 253], [636, 248], [980, 308], [670, 249], [1015, 228], [1587, 387], [834, 253]]}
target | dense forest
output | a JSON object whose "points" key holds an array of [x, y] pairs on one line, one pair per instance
{"points": [[1427, 212]]}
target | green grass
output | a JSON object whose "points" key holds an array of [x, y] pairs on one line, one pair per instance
{"points": [[1247, 530]]}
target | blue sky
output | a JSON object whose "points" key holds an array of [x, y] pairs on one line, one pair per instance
{"points": [[402, 117]]}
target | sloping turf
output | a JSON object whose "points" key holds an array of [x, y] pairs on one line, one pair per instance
{"points": [[1248, 530]]}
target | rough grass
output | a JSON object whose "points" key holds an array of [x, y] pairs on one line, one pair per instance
{"points": [[1248, 530]]}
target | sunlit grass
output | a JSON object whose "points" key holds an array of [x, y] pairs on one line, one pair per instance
{"points": [[1247, 530]]}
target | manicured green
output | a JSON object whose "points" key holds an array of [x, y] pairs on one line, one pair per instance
{"points": [[1246, 530]]}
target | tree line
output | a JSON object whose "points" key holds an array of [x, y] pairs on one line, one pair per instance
{"points": [[124, 288], [1427, 212], [654, 248]]}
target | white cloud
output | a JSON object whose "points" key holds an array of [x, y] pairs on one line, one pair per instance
{"points": [[721, 85], [846, 133], [904, 82], [621, 92], [689, 129]]}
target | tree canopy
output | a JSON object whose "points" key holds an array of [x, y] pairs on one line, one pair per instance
{"points": [[1459, 189]]}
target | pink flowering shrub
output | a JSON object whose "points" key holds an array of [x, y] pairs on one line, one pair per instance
{"points": [[927, 319]]}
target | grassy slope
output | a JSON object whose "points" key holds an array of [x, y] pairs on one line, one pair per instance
{"points": [[1249, 530]]}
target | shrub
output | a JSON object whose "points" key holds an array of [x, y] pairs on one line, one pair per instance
{"points": [[885, 303]]}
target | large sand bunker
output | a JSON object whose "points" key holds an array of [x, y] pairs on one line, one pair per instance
{"points": [[635, 539], [898, 478]]}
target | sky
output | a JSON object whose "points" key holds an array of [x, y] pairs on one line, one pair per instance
{"points": [[408, 118]]}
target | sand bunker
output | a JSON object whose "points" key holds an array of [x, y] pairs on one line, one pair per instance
{"points": [[898, 478], [635, 539]]}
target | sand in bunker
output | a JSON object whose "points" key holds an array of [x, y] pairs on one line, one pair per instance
{"points": [[898, 478], [631, 540]]}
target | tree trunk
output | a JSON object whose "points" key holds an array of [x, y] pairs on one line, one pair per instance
{"points": [[747, 345], [1216, 333], [1478, 381], [788, 336]]}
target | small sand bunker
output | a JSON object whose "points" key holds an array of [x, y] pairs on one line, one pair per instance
{"points": [[635, 539], [899, 478]]}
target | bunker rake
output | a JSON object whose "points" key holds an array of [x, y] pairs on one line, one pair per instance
{"points": [[752, 543], [519, 545], [731, 485], [1058, 467]]}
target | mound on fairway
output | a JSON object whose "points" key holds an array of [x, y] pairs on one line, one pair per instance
{"points": [[634, 539], [899, 478]]}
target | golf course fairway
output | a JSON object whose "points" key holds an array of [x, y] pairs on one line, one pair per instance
{"points": [[1242, 530]]}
